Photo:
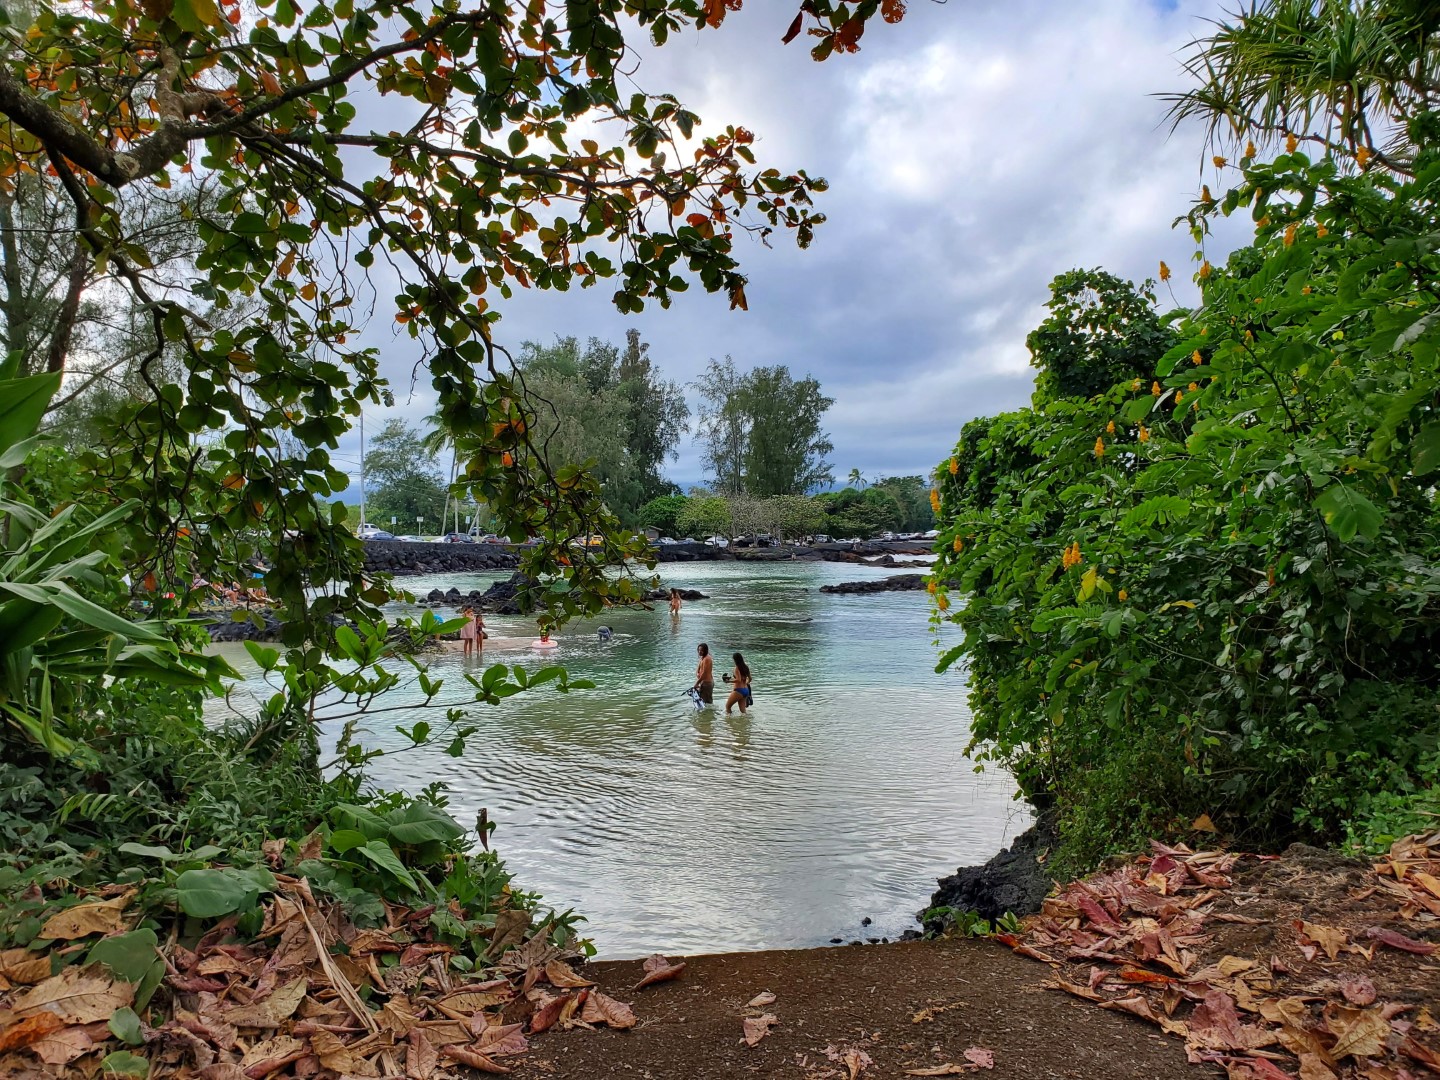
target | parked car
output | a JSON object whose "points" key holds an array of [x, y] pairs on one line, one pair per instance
{"points": [[667, 540], [370, 532], [822, 538], [931, 534], [718, 541], [457, 538]]}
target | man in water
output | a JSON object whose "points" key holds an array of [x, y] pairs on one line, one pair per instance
{"points": [[705, 675]]}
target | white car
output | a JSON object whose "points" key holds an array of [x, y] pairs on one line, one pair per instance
{"points": [[718, 541]]}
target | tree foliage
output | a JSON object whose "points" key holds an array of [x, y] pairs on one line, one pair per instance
{"points": [[1212, 589], [402, 479]]}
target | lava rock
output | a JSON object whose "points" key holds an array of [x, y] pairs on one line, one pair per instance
{"points": [[1014, 880], [895, 583]]}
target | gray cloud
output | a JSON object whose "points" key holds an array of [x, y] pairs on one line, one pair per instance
{"points": [[974, 151]]}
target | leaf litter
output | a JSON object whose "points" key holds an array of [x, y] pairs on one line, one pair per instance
{"points": [[1340, 983], [313, 995]]}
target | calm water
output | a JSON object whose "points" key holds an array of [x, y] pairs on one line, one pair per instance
{"points": [[843, 794]]}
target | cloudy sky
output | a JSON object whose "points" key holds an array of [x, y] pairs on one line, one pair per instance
{"points": [[973, 151]]}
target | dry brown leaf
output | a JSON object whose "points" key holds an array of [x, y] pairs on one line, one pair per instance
{"points": [[266, 1057], [28, 1030], [421, 1057], [1215, 1025], [659, 969], [1358, 1032], [82, 920], [603, 1009], [1313, 1067], [473, 1058], [502, 1040], [1400, 941], [1358, 989], [1203, 824], [948, 1069], [980, 1057], [1234, 965], [23, 967], [511, 926], [759, 1001], [561, 976], [857, 1061], [221, 1070], [335, 1054], [1430, 883], [549, 1010], [757, 1027], [271, 1012], [62, 1046], [1330, 938], [75, 997]]}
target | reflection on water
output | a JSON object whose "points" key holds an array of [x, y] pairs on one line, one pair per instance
{"points": [[843, 794]]}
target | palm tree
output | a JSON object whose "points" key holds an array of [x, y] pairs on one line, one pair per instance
{"points": [[1344, 75], [856, 478], [438, 439]]}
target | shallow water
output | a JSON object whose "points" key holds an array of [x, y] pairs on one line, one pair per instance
{"points": [[842, 795]]}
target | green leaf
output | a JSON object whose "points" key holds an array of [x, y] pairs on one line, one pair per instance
{"points": [[22, 404], [125, 1026], [343, 840], [196, 16], [208, 894], [1425, 449], [383, 855], [1348, 512], [422, 823], [124, 1063], [131, 957], [1087, 583]]}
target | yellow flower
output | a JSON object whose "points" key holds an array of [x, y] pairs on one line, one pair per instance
{"points": [[1362, 156], [935, 500], [1143, 434], [1099, 446], [1305, 291], [930, 587], [1263, 222], [1205, 270], [942, 602], [1205, 195], [1155, 389], [1164, 271], [1321, 232], [1179, 397], [1290, 234], [1250, 148], [1110, 428], [1219, 161], [1135, 385], [1194, 386], [1123, 595], [1291, 144], [958, 545], [1196, 358], [1249, 338], [954, 466]]}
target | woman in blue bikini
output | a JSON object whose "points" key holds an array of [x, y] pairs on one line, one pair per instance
{"points": [[740, 687]]}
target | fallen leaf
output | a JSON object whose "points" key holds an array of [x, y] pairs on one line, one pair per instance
{"points": [[473, 1058], [421, 1057], [759, 1001], [948, 1069], [82, 920], [559, 974], [62, 1046], [856, 1060], [980, 1057], [1215, 1025], [23, 967], [273, 1010], [603, 1009], [658, 969], [1313, 1068], [502, 1040], [1203, 824], [1421, 1053], [272, 1054], [334, 1053], [1400, 941], [550, 1011], [511, 925], [757, 1027], [75, 997], [1358, 989], [1358, 1032], [28, 1030], [1330, 938]]}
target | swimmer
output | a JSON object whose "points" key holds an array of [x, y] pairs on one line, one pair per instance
{"points": [[605, 633], [704, 675], [740, 691], [675, 603]]}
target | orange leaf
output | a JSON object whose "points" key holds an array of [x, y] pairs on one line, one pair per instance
{"points": [[271, 84]]}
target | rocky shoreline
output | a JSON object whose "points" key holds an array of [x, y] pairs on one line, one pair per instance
{"points": [[897, 583], [1013, 881]]}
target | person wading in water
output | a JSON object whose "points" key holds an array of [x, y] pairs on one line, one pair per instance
{"points": [[740, 688], [705, 675]]}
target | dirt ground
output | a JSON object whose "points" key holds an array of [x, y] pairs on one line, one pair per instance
{"points": [[914, 1005]]}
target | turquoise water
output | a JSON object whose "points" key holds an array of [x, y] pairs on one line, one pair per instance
{"points": [[842, 795]]}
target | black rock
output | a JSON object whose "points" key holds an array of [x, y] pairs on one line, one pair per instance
{"points": [[1013, 881], [866, 921], [896, 583]]}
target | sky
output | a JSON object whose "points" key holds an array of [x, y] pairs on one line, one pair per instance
{"points": [[974, 151]]}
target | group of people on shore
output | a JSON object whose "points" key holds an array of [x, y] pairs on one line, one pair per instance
{"points": [[739, 680]]}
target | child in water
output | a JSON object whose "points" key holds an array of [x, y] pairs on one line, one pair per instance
{"points": [[469, 633]]}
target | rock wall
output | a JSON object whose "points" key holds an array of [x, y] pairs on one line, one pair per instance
{"points": [[400, 558]]}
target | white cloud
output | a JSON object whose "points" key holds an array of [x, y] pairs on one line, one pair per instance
{"points": [[974, 151]]}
